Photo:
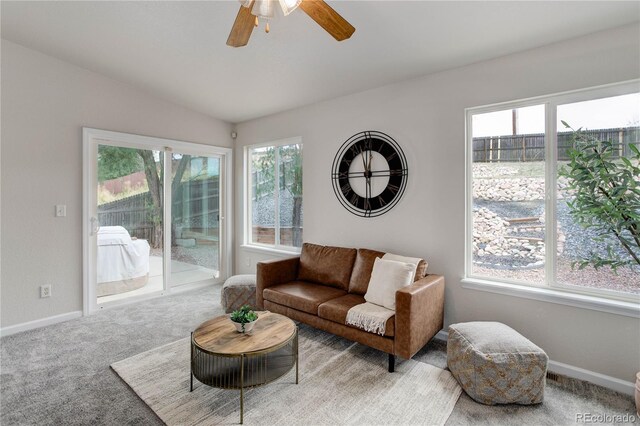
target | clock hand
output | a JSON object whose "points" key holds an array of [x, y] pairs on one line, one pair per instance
{"points": [[350, 174], [364, 160], [368, 174], [372, 173], [381, 173]]}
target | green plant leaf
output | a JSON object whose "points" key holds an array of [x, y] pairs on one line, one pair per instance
{"points": [[606, 197]]}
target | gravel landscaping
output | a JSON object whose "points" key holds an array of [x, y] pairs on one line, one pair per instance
{"points": [[201, 255], [264, 210], [508, 209], [626, 280]]}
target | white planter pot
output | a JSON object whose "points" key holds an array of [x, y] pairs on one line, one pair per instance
{"points": [[247, 326]]}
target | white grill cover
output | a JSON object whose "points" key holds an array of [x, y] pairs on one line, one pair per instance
{"points": [[120, 257]]}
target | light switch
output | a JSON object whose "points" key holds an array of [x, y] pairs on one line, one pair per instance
{"points": [[61, 210]]}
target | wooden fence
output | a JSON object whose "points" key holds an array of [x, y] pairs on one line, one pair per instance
{"points": [[195, 205], [530, 147], [267, 235]]}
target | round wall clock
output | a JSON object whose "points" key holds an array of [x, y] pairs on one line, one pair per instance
{"points": [[369, 174]]}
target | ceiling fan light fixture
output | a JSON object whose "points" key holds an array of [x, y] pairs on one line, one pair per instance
{"points": [[250, 10], [263, 9], [289, 6]]}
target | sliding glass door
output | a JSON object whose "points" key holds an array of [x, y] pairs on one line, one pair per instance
{"points": [[129, 222], [138, 245], [195, 218]]}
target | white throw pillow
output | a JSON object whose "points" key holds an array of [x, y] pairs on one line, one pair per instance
{"points": [[386, 278], [413, 260]]}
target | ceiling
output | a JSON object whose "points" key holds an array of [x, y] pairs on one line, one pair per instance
{"points": [[177, 50]]}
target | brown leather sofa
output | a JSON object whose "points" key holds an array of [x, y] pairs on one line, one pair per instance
{"points": [[321, 285]]}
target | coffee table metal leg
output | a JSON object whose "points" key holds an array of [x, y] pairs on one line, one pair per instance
{"points": [[241, 388], [191, 364], [296, 349]]}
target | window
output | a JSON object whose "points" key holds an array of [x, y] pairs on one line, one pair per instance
{"points": [[274, 195], [556, 206]]}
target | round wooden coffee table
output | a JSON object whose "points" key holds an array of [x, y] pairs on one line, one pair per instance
{"points": [[223, 358]]}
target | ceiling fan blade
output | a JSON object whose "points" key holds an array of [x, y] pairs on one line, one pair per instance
{"points": [[242, 27], [328, 19]]}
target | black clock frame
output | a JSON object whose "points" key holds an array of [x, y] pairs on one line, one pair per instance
{"points": [[384, 144]]}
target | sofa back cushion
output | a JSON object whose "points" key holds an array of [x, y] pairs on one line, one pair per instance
{"points": [[421, 270], [362, 270], [326, 265], [363, 266]]}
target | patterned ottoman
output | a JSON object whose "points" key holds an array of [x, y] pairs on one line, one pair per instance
{"points": [[495, 364], [237, 291]]}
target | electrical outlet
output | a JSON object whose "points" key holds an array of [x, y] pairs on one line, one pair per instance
{"points": [[45, 291], [61, 210], [247, 262]]}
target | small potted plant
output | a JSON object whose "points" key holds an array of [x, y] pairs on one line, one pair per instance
{"points": [[244, 319]]}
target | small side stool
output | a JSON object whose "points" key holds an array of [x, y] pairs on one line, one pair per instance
{"points": [[495, 364], [237, 291]]}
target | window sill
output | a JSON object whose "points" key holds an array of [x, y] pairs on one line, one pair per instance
{"points": [[629, 309], [270, 250]]}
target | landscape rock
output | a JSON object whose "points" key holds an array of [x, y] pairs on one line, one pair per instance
{"points": [[492, 235]]}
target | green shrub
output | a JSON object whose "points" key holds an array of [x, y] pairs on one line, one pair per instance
{"points": [[606, 198]]}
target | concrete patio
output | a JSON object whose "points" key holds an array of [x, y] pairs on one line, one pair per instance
{"points": [[181, 273]]}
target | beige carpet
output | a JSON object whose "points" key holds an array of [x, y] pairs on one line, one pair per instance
{"points": [[340, 383]]}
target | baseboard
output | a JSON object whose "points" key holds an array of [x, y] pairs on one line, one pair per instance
{"points": [[603, 380], [30, 325], [599, 379], [442, 335]]}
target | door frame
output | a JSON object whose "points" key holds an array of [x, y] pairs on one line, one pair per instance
{"points": [[91, 138]]}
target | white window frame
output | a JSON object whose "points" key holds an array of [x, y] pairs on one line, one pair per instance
{"points": [[248, 202], [551, 291]]}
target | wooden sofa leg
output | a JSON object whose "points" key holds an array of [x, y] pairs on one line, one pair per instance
{"points": [[392, 363]]}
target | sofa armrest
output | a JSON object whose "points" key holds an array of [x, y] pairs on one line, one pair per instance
{"points": [[419, 314], [272, 272]]}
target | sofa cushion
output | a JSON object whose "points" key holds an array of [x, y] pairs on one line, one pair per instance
{"points": [[330, 266], [415, 261], [362, 270], [363, 267], [421, 264], [421, 270], [300, 295], [388, 276], [336, 310]]}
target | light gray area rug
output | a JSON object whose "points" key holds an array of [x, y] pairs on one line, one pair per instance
{"points": [[338, 385]]}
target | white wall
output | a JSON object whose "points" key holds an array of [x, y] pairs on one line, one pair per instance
{"points": [[45, 104], [426, 117]]}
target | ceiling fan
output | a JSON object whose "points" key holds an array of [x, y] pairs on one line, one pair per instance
{"points": [[318, 10]]}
